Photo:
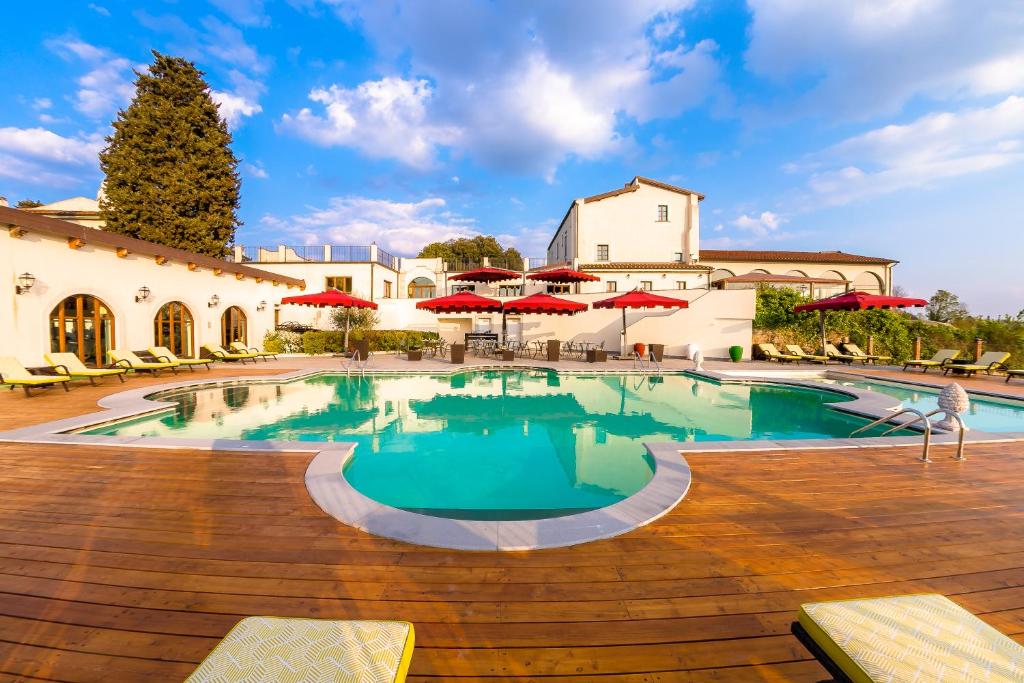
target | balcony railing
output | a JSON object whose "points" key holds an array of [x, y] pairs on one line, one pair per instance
{"points": [[386, 259], [351, 254]]}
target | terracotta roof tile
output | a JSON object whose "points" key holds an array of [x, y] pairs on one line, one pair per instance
{"points": [[767, 256]]}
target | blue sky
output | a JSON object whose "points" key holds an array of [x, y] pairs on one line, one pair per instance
{"points": [[879, 127]]}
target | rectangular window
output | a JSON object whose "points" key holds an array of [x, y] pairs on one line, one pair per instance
{"points": [[681, 284], [602, 252], [342, 283], [662, 213], [387, 289], [510, 290], [646, 285], [613, 286], [463, 288], [558, 289]]}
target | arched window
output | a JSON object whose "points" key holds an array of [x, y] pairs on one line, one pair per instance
{"points": [[421, 288], [84, 326], [173, 328], [869, 282], [796, 273], [232, 326]]}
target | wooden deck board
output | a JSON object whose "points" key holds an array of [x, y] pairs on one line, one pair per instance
{"points": [[120, 563]]}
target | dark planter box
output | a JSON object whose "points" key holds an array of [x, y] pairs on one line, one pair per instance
{"points": [[597, 355], [506, 354], [657, 350], [554, 348], [416, 355], [457, 353]]}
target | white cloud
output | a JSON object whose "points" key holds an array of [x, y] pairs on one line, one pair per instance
{"points": [[929, 149], [872, 56], [107, 86], [241, 101], [42, 103], [227, 43], [385, 118], [256, 170], [763, 224], [38, 155], [245, 12], [399, 227], [99, 9]]}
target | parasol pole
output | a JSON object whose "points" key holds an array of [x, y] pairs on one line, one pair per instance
{"points": [[622, 352], [823, 339], [504, 326], [348, 317]]}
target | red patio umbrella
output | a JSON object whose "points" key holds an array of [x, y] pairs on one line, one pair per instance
{"points": [[486, 274], [332, 298], [855, 301], [639, 298], [460, 302], [562, 276], [539, 303]]}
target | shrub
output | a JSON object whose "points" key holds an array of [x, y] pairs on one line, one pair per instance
{"points": [[282, 341], [332, 341]]}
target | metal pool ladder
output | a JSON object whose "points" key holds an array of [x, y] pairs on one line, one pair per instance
{"points": [[919, 417], [649, 365], [354, 363]]}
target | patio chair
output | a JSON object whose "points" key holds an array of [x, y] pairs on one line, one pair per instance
{"points": [[924, 637], [940, 360], [162, 353], [71, 365], [1010, 374], [769, 352], [239, 347], [853, 350], [130, 361], [797, 350], [294, 649], [990, 361], [834, 354], [217, 352], [14, 374]]}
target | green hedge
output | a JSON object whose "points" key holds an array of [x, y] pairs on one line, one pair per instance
{"points": [[333, 341], [282, 341]]}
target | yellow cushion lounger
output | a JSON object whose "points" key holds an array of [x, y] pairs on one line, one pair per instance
{"points": [[989, 361], [809, 357], [164, 354], [771, 353], [921, 638], [282, 649], [239, 347], [939, 360], [854, 350], [217, 352], [71, 365], [14, 374], [129, 361], [833, 353]]}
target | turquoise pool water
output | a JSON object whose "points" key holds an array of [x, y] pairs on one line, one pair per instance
{"points": [[987, 415], [514, 444]]}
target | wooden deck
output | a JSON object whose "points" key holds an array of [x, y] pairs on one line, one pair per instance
{"points": [[122, 564]]}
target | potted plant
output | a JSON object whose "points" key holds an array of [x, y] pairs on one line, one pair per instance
{"points": [[736, 353]]}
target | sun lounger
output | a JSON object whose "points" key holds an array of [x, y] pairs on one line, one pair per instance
{"points": [[217, 352], [71, 365], [797, 350], [1011, 374], [239, 347], [834, 354], [14, 374], [939, 360], [907, 638], [990, 361], [162, 353], [854, 350], [130, 361], [769, 352], [278, 649]]}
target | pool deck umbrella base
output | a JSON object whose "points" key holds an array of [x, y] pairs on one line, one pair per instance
{"points": [[638, 298], [855, 301], [332, 298], [539, 303]]}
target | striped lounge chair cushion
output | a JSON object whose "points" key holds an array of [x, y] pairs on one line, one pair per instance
{"points": [[307, 650], [919, 638]]}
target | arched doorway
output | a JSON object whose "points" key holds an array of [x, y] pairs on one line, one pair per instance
{"points": [[83, 325], [421, 288], [232, 326], [173, 327]]}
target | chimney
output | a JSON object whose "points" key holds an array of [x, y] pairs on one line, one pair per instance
{"points": [[3, 201]]}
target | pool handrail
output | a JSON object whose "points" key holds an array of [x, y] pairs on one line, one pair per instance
{"points": [[919, 417]]}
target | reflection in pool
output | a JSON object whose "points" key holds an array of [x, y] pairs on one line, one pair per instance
{"points": [[514, 444]]}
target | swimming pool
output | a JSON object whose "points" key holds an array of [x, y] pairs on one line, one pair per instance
{"points": [[985, 414], [497, 445]]}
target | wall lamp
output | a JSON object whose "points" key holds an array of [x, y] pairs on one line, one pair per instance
{"points": [[261, 306], [143, 294], [214, 301], [25, 282]]}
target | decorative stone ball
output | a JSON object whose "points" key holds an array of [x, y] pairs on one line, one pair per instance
{"points": [[953, 399]]}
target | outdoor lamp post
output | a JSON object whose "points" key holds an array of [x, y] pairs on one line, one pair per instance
{"points": [[25, 282], [143, 294]]}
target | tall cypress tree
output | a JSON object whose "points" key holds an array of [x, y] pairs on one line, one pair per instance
{"points": [[171, 176]]}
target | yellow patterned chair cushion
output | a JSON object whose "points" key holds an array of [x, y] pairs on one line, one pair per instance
{"points": [[309, 650], [919, 638]]}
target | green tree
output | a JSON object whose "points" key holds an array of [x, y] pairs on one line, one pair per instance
{"points": [[472, 250], [29, 203], [171, 176], [945, 307]]}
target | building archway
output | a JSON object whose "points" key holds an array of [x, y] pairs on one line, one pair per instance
{"points": [[796, 273], [869, 282], [822, 290], [422, 288], [720, 274], [174, 328], [759, 271], [83, 325], [232, 326]]}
